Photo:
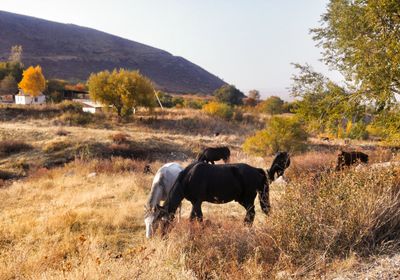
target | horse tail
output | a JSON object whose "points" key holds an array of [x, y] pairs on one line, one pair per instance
{"points": [[263, 192]]}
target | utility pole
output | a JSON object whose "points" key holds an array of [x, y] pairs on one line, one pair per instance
{"points": [[158, 99]]}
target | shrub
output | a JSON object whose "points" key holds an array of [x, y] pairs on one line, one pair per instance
{"points": [[13, 147], [357, 130], [194, 103], [178, 101], [387, 125], [5, 175], [56, 145], [62, 132], [337, 213], [166, 100], [70, 106], [220, 110], [229, 94], [281, 133], [272, 105], [120, 138], [75, 118], [114, 165]]}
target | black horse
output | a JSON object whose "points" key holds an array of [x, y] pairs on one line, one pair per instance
{"points": [[278, 165], [214, 154], [201, 182], [349, 158]]}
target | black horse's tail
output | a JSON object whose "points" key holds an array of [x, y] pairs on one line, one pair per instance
{"points": [[263, 192]]}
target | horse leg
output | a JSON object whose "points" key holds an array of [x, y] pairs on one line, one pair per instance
{"points": [[250, 213], [196, 213]]}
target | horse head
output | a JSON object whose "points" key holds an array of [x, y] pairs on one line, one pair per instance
{"points": [[280, 163], [156, 217]]}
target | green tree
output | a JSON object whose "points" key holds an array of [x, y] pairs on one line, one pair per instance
{"points": [[16, 54], [8, 85], [361, 39], [272, 105], [229, 94], [10, 68], [388, 123], [122, 89], [254, 94], [216, 109], [280, 134], [321, 103]]}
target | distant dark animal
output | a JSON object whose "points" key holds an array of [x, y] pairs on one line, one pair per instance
{"points": [[278, 165], [221, 183], [349, 158], [214, 154], [147, 169], [216, 134]]}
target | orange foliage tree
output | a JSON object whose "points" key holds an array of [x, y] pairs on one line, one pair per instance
{"points": [[33, 82]]}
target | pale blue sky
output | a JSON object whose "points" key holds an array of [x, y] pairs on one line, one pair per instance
{"points": [[247, 43]]}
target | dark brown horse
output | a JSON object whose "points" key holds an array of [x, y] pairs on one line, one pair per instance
{"points": [[278, 165], [214, 154], [350, 158]]}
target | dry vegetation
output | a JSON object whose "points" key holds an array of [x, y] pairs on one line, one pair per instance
{"points": [[84, 218]]}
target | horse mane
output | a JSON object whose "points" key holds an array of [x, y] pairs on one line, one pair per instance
{"points": [[175, 196], [155, 191]]}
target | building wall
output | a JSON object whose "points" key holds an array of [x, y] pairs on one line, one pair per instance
{"points": [[26, 99], [89, 110]]}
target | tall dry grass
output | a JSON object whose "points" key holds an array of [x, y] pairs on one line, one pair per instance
{"points": [[64, 224]]}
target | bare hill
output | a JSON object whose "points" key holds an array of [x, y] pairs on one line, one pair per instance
{"points": [[72, 52]]}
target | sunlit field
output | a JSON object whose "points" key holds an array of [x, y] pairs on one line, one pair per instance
{"points": [[82, 217]]}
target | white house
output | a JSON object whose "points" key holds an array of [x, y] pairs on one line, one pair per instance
{"points": [[26, 99], [90, 106]]}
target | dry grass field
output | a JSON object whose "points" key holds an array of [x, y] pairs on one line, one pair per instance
{"points": [[74, 209]]}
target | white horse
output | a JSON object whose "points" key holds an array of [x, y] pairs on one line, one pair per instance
{"points": [[162, 184]]}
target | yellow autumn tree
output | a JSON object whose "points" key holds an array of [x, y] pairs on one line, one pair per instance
{"points": [[33, 82]]}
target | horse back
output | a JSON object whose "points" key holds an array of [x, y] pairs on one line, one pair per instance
{"points": [[222, 183]]}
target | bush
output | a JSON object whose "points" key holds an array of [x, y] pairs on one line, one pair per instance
{"points": [[220, 110], [62, 132], [387, 125], [178, 101], [56, 145], [193, 103], [75, 118], [272, 105], [70, 106], [229, 94], [357, 130], [120, 138], [166, 100], [13, 147], [281, 134], [337, 213]]}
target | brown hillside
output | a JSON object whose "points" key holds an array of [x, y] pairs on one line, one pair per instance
{"points": [[72, 52]]}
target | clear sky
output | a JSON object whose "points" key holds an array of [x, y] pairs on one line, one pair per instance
{"points": [[246, 43]]}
